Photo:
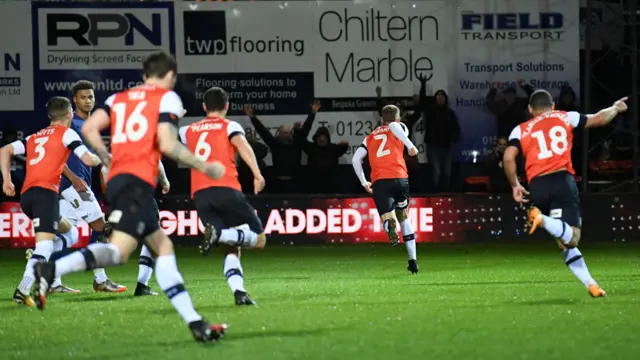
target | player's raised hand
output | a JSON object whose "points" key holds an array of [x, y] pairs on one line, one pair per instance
{"points": [[422, 77], [367, 187], [248, 110], [214, 170], [518, 194], [9, 189], [621, 105], [413, 151], [258, 184], [378, 91], [316, 106]]}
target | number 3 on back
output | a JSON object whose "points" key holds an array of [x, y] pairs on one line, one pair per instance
{"points": [[383, 141]]}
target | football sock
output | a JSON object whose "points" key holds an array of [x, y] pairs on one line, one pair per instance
{"points": [[71, 237], [99, 274], [171, 282], [145, 266], [92, 257], [233, 273], [574, 260], [58, 252], [42, 252], [409, 238], [557, 228], [239, 237]]}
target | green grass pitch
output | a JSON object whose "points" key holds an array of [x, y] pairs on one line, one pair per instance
{"points": [[512, 301]]}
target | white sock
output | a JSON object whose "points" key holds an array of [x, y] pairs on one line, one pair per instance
{"points": [[100, 275], [171, 282], [42, 252], [233, 273], [93, 256], [409, 238], [239, 237], [557, 228], [71, 237], [574, 260], [145, 266], [58, 245]]}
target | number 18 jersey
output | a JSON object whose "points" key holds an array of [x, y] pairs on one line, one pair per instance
{"points": [[135, 115], [546, 141]]}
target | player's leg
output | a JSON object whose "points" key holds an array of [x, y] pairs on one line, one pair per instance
{"points": [[383, 196], [41, 206], [145, 264], [171, 282], [224, 199], [66, 239], [408, 232]]}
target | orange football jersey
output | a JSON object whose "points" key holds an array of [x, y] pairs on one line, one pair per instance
{"points": [[135, 115], [210, 140], [47, 152], [546, 141], [386, 154]]}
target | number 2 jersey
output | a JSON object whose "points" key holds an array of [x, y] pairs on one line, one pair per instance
{"points": [[135, 115], [546, 141], [210, 140], [47, 152], [385, 146]]}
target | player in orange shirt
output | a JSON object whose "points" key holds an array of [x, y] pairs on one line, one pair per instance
{"points": [[143, 125], [389, 177], [546, 141], [227, 215], [47, 151]]}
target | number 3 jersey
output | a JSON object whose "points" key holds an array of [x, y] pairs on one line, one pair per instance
{"points": [[385, 147], [47, 152], [135, 115], [210, 140], [546, 141]]}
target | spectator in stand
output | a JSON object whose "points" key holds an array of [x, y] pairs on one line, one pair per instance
{"points": [[498, 182], [441, 131], [285, 154], [510, 111], [323, 155], [244, 173]]}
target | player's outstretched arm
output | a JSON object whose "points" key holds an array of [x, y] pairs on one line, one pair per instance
{"points": [[356, 162], [604, 116], [98, 121], [6, 153], [170, 146], [249, 157]]}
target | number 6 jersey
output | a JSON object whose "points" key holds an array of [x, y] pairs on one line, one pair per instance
{"points": [[546, 141]]}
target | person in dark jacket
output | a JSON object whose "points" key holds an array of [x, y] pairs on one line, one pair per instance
{"points": [[498, 182], [285, 154], [510, 111], [442, 130], [323, 155]]}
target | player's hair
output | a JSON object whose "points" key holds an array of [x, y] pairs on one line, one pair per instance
{"points": [[216, 99], [82, 85], [390, 113], [58, 107], [540, 99], [158, 64]]}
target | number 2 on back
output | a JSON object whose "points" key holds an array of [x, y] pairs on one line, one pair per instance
{"points": [[383, 141], [558, 136]]}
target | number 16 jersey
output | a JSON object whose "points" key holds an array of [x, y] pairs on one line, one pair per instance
{"points": [[135, 115], [546, 141]]}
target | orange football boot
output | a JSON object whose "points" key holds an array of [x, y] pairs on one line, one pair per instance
{"points": [[595, 291], [535, 219]]}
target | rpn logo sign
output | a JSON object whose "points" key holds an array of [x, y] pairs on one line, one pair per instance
{"points": [[512, 26], [96, 28], [205, 33]]}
